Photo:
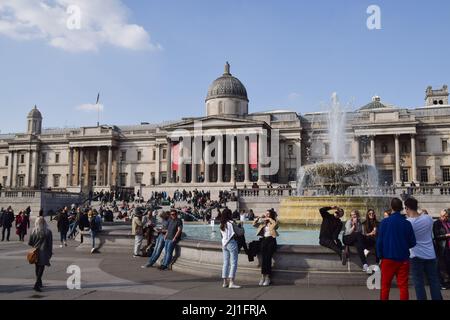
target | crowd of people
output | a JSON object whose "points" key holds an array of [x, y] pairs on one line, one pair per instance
{"points": [[405, 240], [400, 242]]}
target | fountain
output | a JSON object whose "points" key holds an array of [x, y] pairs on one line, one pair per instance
{"points": [[326, 184]]}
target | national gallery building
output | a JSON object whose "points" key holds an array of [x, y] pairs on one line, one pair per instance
{"points": [[229, 146]]}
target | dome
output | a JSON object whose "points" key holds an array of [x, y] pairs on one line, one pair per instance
{"points": [[227, 86], [35, 113], [375, 104]]}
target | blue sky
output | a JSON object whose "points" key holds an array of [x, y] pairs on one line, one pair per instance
{"points": [[289, 55]]}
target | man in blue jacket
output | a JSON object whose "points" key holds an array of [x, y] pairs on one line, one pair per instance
{"points": [[395, 238]]}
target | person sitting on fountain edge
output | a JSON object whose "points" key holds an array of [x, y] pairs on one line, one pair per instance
{"points": [[330, 229]]}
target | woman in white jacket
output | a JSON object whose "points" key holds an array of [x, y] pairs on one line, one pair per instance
{"points": [[229, 249]]}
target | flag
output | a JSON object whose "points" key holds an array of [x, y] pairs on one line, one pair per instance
{"points": [[253, 155], [175, 156], [98, 98]]}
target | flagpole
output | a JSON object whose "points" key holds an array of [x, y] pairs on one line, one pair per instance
{"points": [[98, 110]]}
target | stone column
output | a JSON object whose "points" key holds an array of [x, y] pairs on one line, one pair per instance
{"points": [[260, 155], [158, 164], [169, 161], [246, 162], [220, 160], [80, 166], [397, 159], [233, 160], [193, 160], [298, 147], [15, 169], [10, 168], [70, 182], [30, 159], [357, 151], [413, 158], [34, 166], [97, 167], [372, 151], [109, 170], [207, 164]]}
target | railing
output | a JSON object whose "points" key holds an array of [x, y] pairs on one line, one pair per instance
{"points": [[267, 192]]}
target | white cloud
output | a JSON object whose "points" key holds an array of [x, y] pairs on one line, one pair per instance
{"points": [[88, 107], [293, 96], [102, 22]]}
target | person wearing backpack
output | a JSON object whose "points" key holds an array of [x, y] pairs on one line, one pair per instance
{"points": [[95, 227], [267, 231]]}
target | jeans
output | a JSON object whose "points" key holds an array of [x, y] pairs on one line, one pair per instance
{"points": [[169, 246], [421, 268], [389, 269], [230, 260], [73, 229], [63, 236], [444, 265], [268, 247], [93, 235], [137, 244], [8, 233], [159, 246]]}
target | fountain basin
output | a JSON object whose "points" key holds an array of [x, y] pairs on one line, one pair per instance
{"points": [[304, 210]]}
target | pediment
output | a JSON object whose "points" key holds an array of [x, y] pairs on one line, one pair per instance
{"points": [[215, 122]]}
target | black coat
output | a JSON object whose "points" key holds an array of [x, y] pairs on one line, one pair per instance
{"points": [[44, 242], [7, 219], [331, 226], [440, 239], [63, 222]]}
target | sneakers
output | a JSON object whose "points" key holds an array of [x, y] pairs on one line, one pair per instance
{"points": [[146, 266], [366, 252], [65, 244], [60, 245], [162, 268], [233, 286], [92, 250], [266, 282], [261, 282], [366, 267], [225, 284]]}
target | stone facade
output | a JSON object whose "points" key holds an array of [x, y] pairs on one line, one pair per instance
{"points": [[405, 144]]}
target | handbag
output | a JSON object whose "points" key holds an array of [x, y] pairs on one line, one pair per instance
{"points": [[32, 255], [238, 231]]}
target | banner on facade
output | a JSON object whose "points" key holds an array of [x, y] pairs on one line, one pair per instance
{"points": [[175, 156]]}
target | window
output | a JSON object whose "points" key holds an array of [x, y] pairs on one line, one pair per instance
{"points": [[123, 179], [424, 175], [290, 149], [139, 155], [42, 180], [123, 156], [164, 155], [56, 180], [326, 148], [5, 179], [44, 157], [405, 177], [404, 147], [446, 174], [163, 177], [422, 146], [6, 161], [444, 145], [365, 147], [21, 181], [138, 177], [22, 158], [384, 148], [154, 155], [56, 157]]}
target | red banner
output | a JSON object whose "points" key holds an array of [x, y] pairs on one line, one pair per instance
{"points": [[253, 155], [175, 156]]}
